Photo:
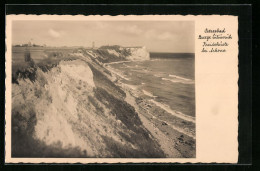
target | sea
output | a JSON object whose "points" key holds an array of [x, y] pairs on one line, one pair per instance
{"points": [[169, 78]]}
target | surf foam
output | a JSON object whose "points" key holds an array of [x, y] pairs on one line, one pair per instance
{"points": [[148, 93], [174, 113], [178, 77], [179, 81]]}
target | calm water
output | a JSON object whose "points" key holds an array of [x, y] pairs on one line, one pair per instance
{"points": [[169, 80]]}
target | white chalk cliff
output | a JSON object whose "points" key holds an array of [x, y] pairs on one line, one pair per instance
{"points": [[138, 53], [75, 110]]}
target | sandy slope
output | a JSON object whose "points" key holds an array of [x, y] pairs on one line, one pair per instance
{"points": [[76, 108], [79, 108]]}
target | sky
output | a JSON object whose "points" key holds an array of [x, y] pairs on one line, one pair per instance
{"points": [[157, 36]]}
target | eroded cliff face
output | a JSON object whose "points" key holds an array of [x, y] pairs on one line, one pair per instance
{"points": [[116, 53], [73, 109], [138, 53]]}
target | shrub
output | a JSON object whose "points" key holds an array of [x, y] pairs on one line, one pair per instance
{"points": [[102, 81], [99, 109]]}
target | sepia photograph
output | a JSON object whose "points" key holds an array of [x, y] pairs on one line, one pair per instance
{"points": [[103, 89]]}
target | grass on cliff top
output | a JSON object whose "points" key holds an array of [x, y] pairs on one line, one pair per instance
{"points": [[28, 69], [105, 57], [24, 121]]}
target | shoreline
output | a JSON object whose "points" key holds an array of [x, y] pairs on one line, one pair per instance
{"points": [[159, 132], [173, 141], [119, 62]]}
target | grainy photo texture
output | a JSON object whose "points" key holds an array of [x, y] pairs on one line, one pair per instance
{"points": [[103, 89]]}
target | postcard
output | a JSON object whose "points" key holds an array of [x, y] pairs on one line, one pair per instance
{"points": [[121, 89]]}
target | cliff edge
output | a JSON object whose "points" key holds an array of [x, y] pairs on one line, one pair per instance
{"points": [[72, 108], [106, 54]]}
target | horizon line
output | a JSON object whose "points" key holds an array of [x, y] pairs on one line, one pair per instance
{"points": [[98, 47]]}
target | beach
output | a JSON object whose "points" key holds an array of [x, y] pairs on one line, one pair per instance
{"points": [[89, 103], [175, 136]]}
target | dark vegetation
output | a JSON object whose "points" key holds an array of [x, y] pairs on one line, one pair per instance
{"points": [[26, 73], [99, 109], [138, 134], [112, 97], [48, 63], [24, 119], [121, 151], [95, 61], [102, 81], [29, 67], [101, 67], [110, 47], [106, 57], [120, 108]]}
